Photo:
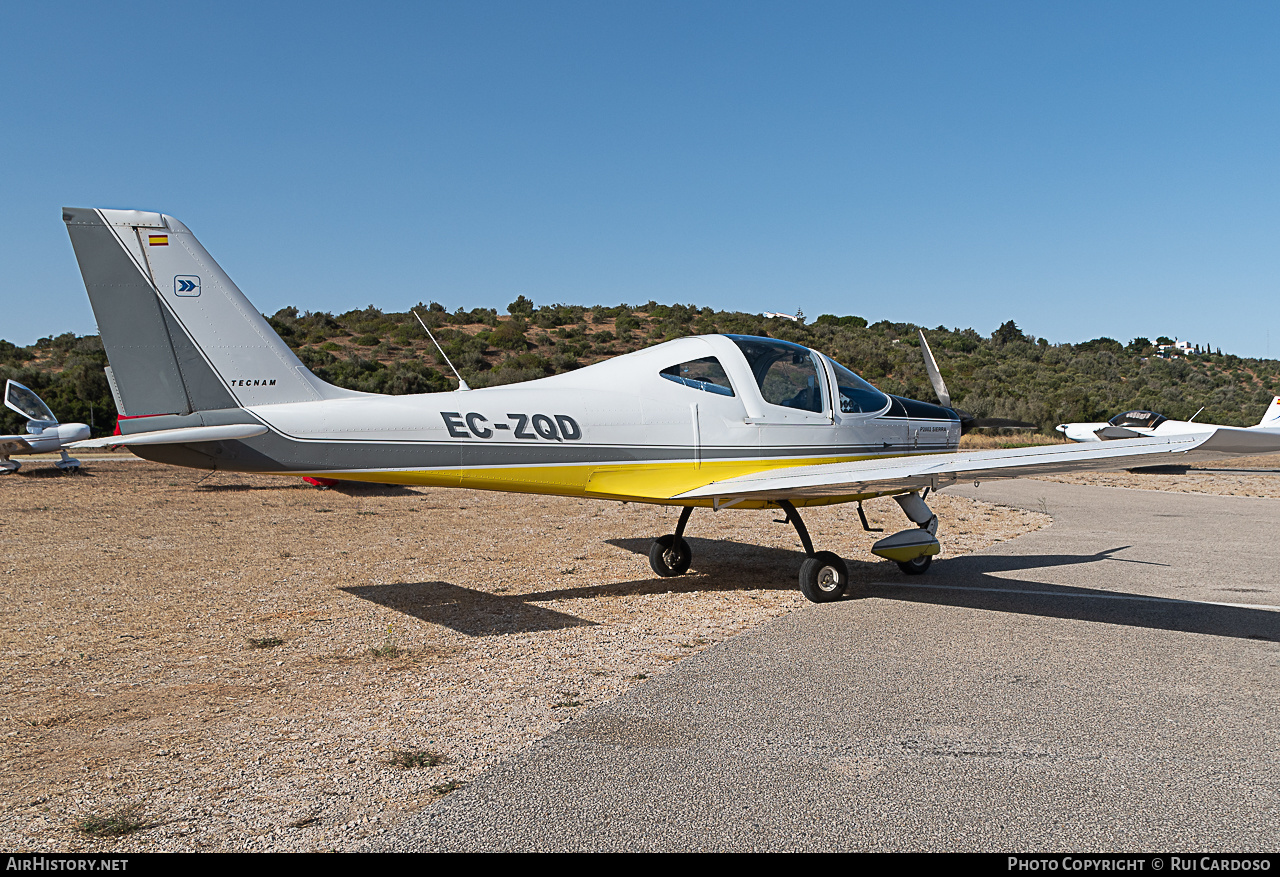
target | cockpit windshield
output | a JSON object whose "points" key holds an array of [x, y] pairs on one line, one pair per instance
{"points": [[1142, 419], [856, 395]]}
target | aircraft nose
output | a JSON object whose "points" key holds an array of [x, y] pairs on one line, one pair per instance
{"points": [[72, 432]]}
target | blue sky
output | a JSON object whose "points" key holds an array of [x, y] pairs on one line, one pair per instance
{"points": [[1081, 168]]}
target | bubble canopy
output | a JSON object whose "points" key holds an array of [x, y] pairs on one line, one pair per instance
{"points": [[788, 375], [27, 403]]}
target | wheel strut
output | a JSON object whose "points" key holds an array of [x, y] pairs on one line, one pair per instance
{"points": [[684, 519], [823, 575], [794, 517], [670, 555]]}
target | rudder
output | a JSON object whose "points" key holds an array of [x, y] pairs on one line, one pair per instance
{"points": [[181, 337]]}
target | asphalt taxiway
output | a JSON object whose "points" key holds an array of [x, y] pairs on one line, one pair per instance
{"points": [[1107, 683]]}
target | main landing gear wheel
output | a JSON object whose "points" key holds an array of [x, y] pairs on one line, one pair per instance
{"points": [[670, 556], [915, 567], [823, 577]]}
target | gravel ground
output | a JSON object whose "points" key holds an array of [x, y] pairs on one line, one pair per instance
{"points": [[1243, 476], [238, 662]]}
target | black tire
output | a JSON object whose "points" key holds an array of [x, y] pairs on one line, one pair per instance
{"points": [[670, 556], [823, 577], [916, 567]]}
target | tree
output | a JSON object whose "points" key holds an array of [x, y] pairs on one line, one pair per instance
{"points": [[1006, 333], [1103, 343], [521, 307]]}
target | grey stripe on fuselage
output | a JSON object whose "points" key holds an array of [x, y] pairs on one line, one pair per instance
{"points": [[274, 452]]}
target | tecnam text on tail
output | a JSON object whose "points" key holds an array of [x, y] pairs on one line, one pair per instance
{"points": [[718, 421]]}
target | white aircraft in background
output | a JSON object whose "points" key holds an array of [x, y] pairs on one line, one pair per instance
{"points": [[44, 433], [716, 421], [1139, 424]]}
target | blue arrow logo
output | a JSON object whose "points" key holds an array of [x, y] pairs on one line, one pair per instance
{"points": [[186, 284]]}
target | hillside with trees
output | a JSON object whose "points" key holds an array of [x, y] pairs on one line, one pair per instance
{"points": [[1007, 374]]}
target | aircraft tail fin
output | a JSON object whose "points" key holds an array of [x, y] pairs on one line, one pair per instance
{"points": [[180, 336], [1271, 417]]}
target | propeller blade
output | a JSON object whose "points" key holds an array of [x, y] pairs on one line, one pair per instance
{"points": [[935, 376]]}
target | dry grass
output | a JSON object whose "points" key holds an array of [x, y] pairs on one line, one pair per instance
{"points": [[982, 441]]}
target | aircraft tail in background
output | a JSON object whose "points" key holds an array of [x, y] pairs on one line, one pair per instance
{"points": [[1271, 417]]}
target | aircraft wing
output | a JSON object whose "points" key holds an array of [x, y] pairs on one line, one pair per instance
{"points": [[940, 470], [14, 444]]}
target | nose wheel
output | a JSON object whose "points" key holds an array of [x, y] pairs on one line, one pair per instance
{"points": [[917, 566]]}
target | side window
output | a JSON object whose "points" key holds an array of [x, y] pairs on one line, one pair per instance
{"points": [[786, 373], [792, 382], [701, 374]]}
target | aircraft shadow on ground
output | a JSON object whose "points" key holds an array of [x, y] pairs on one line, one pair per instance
{"points": [[946, 585], [724, 566], [468, 611], [729, 566], [240, 487], [51, 472], [371, 488]]}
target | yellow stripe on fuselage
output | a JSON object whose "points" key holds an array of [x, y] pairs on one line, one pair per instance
{"points": [[627, 482]]}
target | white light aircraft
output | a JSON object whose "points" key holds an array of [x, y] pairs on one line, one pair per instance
{"points": [[44, 433], [718, 421], [1140, 424]]}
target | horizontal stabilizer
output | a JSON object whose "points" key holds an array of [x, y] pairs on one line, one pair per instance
{"points": [[189, 435]]}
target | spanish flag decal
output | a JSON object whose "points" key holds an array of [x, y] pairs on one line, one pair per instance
{"points": [[158, 240]]}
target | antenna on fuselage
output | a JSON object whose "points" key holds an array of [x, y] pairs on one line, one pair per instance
{"points": [[462, 385]]}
